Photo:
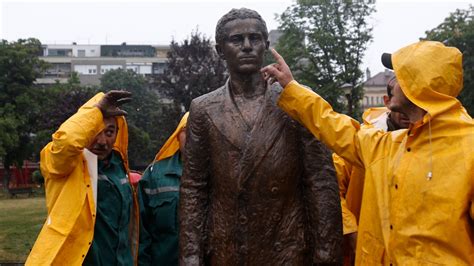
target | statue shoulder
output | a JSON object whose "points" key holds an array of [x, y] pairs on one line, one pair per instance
{"points": [[210, 98]]}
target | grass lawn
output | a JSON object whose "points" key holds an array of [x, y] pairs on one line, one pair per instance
{"points": [[21, 220]]}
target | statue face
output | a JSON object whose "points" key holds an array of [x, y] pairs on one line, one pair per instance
{"points": [[244, 46]]}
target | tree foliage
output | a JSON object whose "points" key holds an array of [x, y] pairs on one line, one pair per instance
{"points": [[194, 69], [458, 30], [19, 68], [56, 103], [324, 42]]}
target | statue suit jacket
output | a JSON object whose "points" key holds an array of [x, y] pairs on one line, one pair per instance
{"points": [[266, 195]]}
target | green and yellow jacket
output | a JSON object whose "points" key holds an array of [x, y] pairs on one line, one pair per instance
{"points": [[159, 190]]}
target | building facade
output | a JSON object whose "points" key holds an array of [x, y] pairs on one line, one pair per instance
{"points": [[375, 88], [92, 61]]}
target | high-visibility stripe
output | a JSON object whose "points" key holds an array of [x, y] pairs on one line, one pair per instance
{"points": [[154, 191]]}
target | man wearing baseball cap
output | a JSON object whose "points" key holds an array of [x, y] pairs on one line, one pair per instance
{"points": [[417, 206]]}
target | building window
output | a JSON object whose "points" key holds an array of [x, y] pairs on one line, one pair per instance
{"points": [[86, 69], [59, 52], [159, 68], [81, 53], [134, 68], [105, 68]]}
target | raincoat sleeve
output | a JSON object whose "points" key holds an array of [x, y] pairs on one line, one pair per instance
{"points": [[144, 250], [193, 205], [343, 172], [322, 201], [337, 131], [60, 157]]}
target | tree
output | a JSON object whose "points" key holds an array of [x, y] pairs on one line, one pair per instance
{"points": [[55, 104], [194, 69], [144, 114], [324, 43], [458, 30], [19, 68]]}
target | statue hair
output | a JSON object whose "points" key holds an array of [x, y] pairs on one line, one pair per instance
{"points": [[242, 13]]}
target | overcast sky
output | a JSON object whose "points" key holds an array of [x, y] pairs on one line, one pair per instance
{"points": [[396, 23]]}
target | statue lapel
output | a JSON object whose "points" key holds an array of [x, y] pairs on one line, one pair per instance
{"points": [[266, 131], [227, 120]]}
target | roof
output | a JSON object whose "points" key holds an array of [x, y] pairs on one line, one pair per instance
{"points": [[380, 79]]}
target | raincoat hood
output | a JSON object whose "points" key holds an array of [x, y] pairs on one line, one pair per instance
{"points": [[121, 143], [171, 146], [430, 74]]}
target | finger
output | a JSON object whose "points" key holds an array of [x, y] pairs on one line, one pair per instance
{"points": [[124, 100], [265, 69], [278, 58], [280, 61], [118, 112], [265, 75], [270, 70], [116, 94]]}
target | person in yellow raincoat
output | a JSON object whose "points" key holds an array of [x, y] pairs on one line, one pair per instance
{"points": [[351, 178], [92, 208], [417, 206], [159, 187]]}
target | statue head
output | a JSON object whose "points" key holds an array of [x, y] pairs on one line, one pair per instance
{"points": [[241, 40], [242, 13]]}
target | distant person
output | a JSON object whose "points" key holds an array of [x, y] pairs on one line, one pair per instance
{"points": [[257, 188], [159, 188], [92, 211], [351, 178], [417, 206]]}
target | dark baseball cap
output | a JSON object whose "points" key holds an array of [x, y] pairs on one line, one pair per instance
{"points": [[387, 60]]}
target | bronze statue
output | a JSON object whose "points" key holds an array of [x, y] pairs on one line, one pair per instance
{"points": [[257, 189]]}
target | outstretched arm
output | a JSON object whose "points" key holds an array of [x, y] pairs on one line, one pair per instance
{"points": [[337, 131]]}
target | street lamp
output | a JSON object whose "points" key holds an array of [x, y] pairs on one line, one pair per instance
{"points": [[347, 90]]}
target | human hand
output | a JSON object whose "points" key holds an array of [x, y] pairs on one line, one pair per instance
{"points": [[279, 70], [112, 100]]}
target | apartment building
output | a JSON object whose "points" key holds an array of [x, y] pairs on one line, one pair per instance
{"points": [[92, 61]]}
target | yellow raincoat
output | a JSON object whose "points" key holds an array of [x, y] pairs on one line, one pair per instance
{"points": [[417, 206], [171, 145], [71, 190], [351, 178]]}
